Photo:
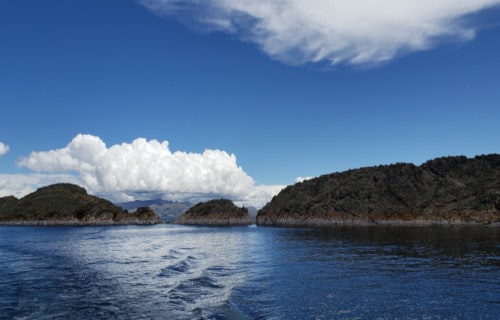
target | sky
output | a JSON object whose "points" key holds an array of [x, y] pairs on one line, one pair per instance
{"points": [[194, 100]]}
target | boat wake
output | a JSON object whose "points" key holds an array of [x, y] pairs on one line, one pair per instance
{"points": [[198, 284]]}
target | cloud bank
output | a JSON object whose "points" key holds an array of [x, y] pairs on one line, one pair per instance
{"points": [[148, 169], [3, 149], [332, 31]]}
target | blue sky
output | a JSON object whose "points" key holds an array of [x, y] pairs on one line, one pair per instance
{"points": [[288, 103]]}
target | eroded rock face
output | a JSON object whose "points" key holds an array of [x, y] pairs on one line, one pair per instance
{"points": [[215, 212], [69, 204], [444, 190]]}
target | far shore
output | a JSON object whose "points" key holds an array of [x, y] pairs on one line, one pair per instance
{"points": [[289, 224], [373, 223], [72, 223]]}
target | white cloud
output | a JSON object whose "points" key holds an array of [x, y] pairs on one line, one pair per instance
{"points": [[302, 179], [335, 31], [126, 171], [3, 148]]}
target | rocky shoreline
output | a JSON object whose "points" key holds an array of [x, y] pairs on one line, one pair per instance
{"points": [[75, 223], [215, 222], [325, 223]]}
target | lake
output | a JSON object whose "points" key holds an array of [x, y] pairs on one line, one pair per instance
{"points": [[185, 272]]}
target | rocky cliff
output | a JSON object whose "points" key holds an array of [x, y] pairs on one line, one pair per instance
{"points": [[68, 204], [446, 190], [215, 212]]}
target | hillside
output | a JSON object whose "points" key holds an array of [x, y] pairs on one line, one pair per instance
{"points": [[68, 204], [215, 212], [444, 190], [168, 211]]}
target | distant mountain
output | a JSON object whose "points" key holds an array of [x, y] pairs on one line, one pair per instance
{"points": [[449, 190], [68, 204], [252, 211], [216, 212], [167, 211]]}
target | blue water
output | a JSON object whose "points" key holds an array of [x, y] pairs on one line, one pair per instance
{"points": [[180, 272]]}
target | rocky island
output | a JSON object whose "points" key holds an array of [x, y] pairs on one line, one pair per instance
{"points": [[448, 190], [68, 204], [215, 212]]}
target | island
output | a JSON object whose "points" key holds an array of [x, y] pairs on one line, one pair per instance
{"points": [[68, 204], [168, 211], [447, 190], [220, 212]]}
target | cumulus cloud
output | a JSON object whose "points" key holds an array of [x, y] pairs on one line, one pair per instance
{"points": [[3, 148], [332, 31], [143, 168]]}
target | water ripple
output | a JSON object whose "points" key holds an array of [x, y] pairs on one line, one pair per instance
{"points": [[179, 272]]}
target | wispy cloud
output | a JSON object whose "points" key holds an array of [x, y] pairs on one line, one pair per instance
{"points": [[331, 31], [145, 168], [302, 179], [3, 148]]}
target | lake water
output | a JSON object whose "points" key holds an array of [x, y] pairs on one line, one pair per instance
{"points": [[181, 272]]}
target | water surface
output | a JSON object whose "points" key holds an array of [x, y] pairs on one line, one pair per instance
{"points": [[181, 272]]}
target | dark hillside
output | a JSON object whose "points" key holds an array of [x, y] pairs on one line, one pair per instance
{"points": [[443, 190], [66, 203], [216, 212]]}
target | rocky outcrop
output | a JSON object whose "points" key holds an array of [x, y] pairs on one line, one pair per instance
{"points": [[215, 212], [68, 204], [450, 190]]}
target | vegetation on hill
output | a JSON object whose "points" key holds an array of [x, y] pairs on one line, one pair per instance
{"points": [[216, 212], [66, 203], [443, 190]]}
